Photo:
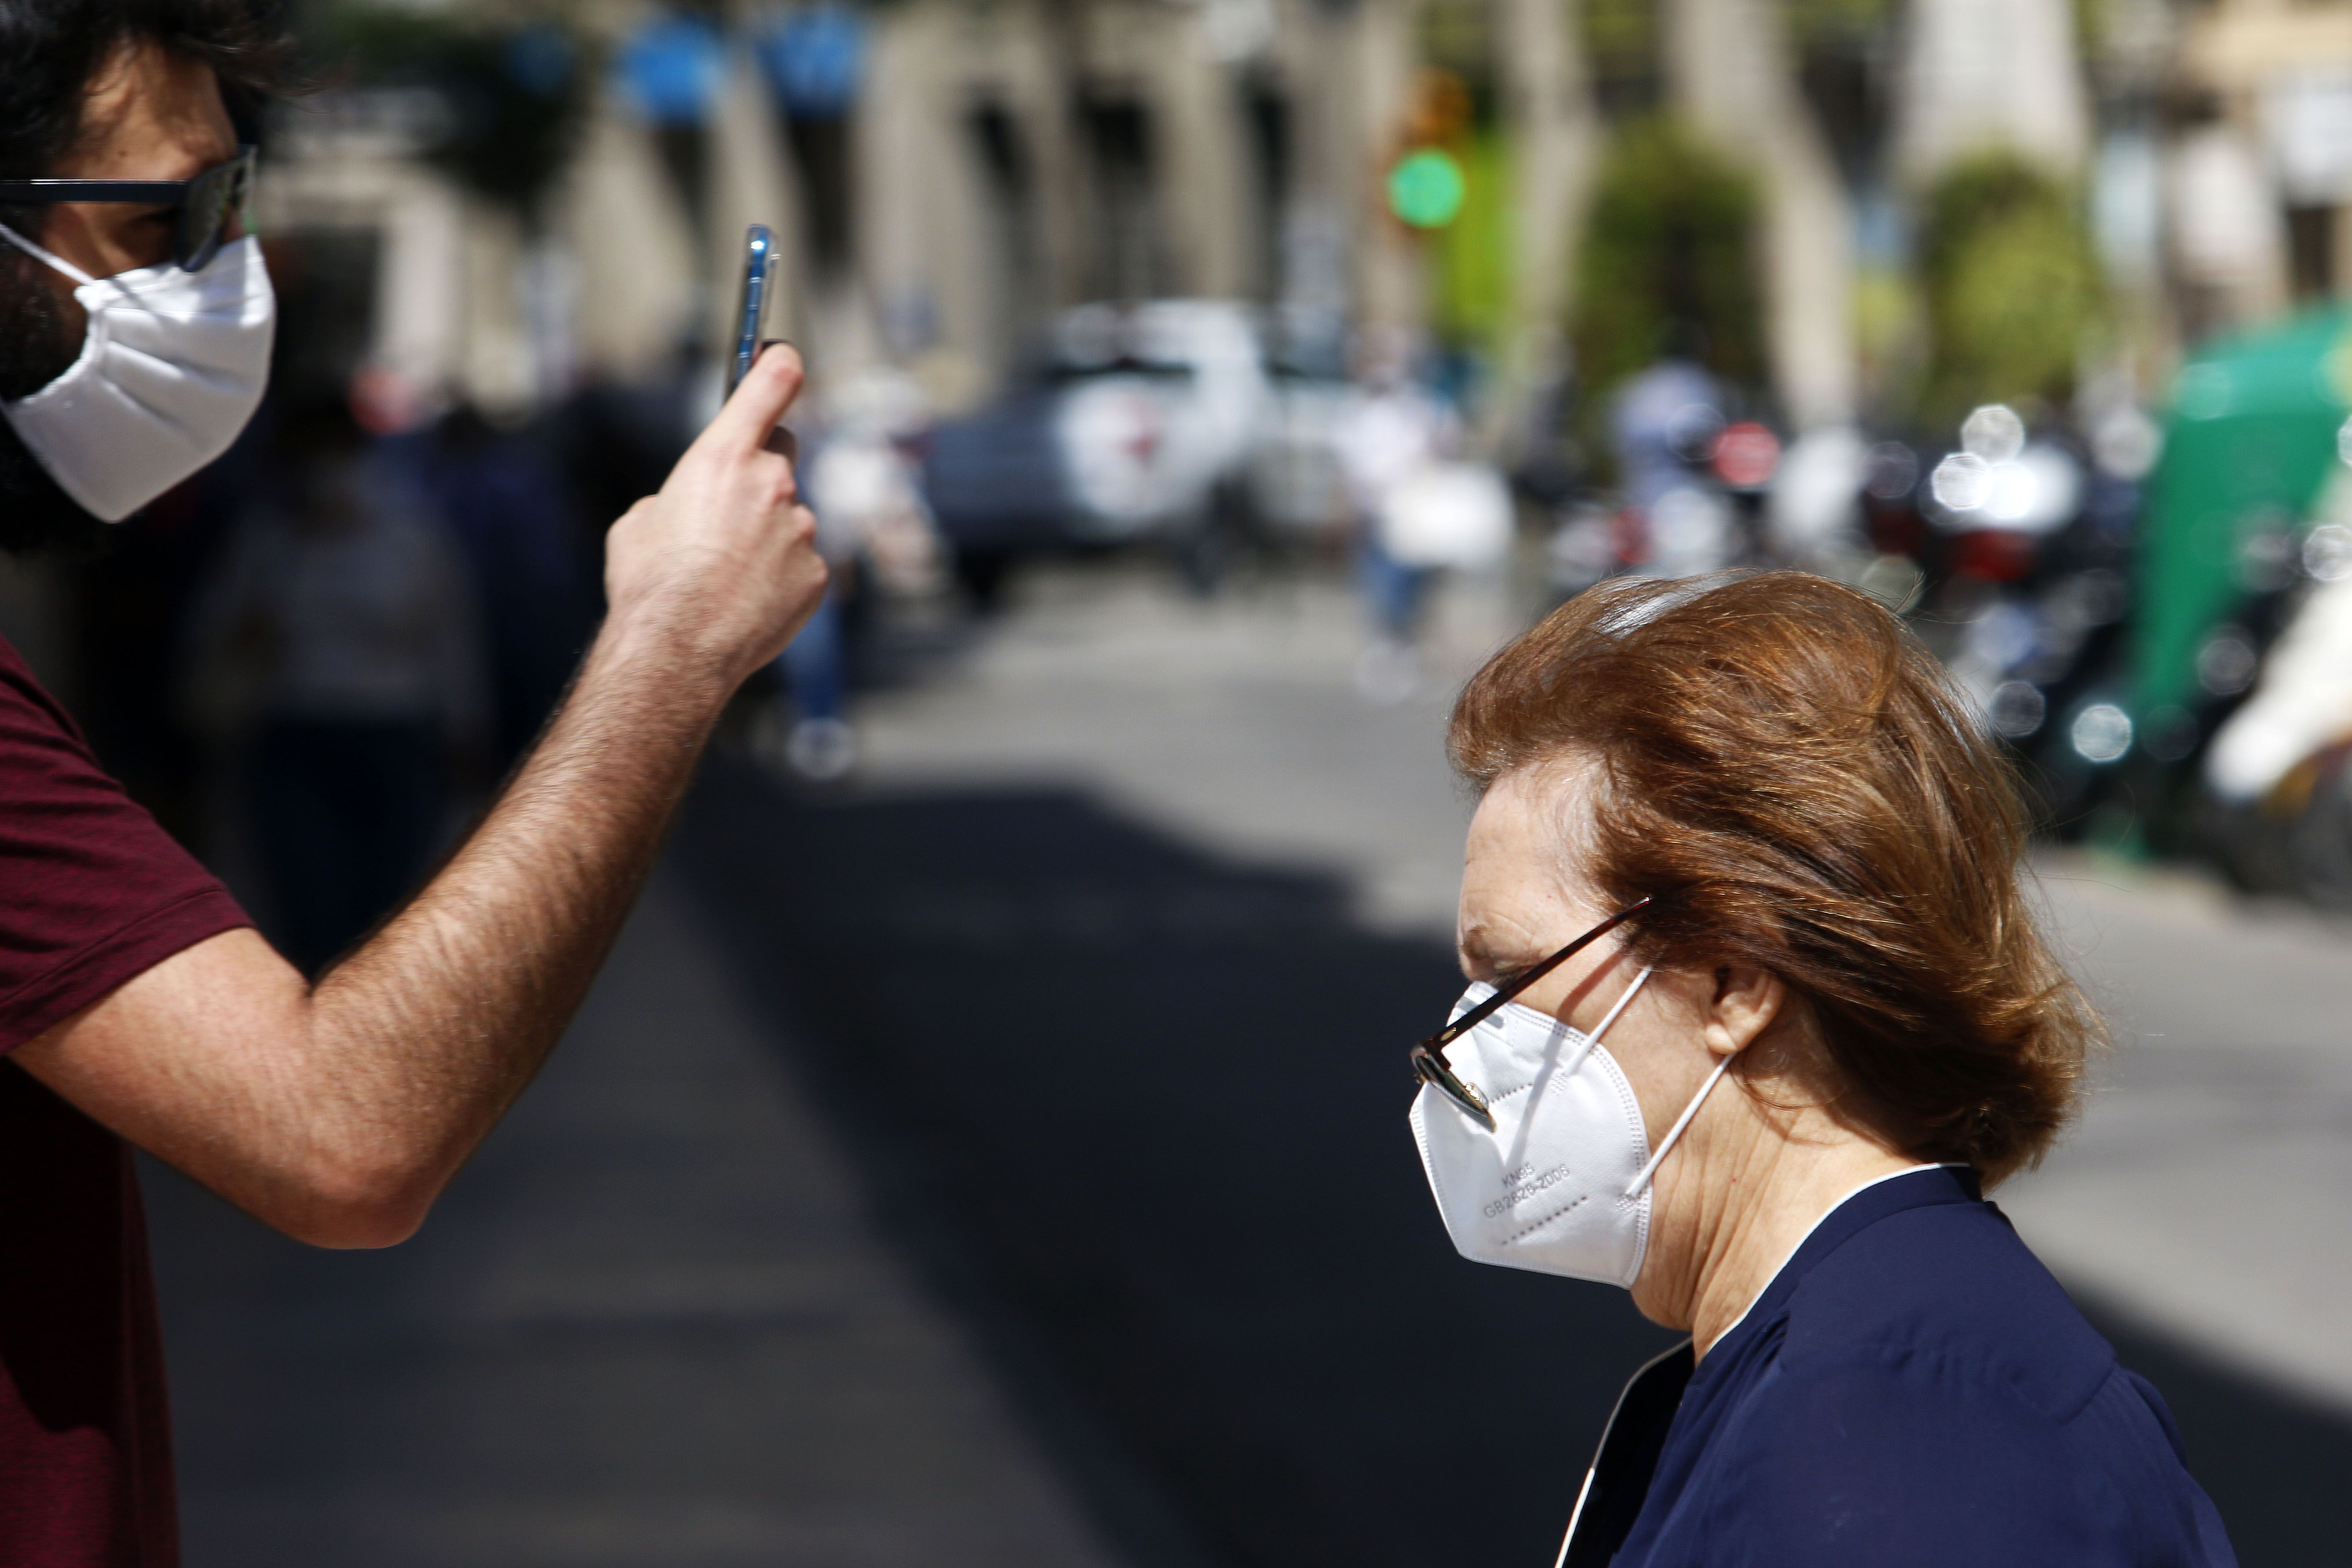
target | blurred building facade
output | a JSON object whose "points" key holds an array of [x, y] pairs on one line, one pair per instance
{"points": [[947, 173], [2262, 172]]}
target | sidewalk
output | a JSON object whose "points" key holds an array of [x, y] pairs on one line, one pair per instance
{"points": [[2202, 1191], [652, 1324]]}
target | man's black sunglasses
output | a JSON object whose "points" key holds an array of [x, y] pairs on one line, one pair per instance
{"points": [[1429, 1057], [205, 204]]}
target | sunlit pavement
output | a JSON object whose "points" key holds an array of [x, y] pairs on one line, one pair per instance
{"points": [[2205, 1191]]}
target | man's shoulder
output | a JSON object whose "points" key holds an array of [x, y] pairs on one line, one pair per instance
{"points": [[42, 749], [97, 891], [21, 690]]}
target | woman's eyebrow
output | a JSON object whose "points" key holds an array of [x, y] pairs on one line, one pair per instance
{"points": [[1481, 945]]}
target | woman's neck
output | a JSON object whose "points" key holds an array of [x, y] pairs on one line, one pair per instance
{"points": [[1765, 1193]]}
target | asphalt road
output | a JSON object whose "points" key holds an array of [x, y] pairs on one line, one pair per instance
{"points": [[1112, 957]]}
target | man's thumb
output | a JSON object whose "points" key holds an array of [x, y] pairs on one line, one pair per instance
{"points": [[758, 404]]}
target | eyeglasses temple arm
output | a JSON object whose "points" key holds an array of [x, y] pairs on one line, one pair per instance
{"points": [[161, 193], [1486, 1009]]}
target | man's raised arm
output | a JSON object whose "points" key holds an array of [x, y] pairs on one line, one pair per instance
{"points": [[336, 1112]]}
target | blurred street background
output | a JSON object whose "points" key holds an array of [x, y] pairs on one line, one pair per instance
{"points": [[988, 1143]]}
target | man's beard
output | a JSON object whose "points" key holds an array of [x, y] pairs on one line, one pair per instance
{"points": [[37, 346]]}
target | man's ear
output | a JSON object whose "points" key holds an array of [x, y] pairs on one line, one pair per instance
{"points": [[1746, 1001]]}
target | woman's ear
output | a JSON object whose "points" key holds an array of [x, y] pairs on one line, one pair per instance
{"points": [[1746, 1001]]}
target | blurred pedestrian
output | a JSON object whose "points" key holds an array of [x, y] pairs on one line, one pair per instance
{"points": [[506, 505], [1425, 509], [1663, 421], [358, 624], [814, 685], [812, 672], [136, 1003], [878, 536], [1392, 430]]}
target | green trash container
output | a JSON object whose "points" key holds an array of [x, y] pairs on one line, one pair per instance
{"points": [[2251, 439]]}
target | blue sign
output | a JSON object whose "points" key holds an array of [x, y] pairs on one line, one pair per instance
{"points": [[815, 59], [671, 69]]}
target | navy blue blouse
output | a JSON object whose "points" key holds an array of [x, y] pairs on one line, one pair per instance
{"points": [[1912, 1387]]}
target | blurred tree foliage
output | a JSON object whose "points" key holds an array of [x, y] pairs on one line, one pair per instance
{"points": [[2010, 285], [510, 92], [1816, 21], [1667, 263], [2094, 20], [1474, 252]]}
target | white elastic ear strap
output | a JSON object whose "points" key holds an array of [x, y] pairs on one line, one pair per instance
{"points": [[37, 254], [1666, 1146], [1610, 1017]]}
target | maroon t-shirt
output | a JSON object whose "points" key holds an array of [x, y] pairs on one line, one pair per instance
{"points": [[92, 892]]}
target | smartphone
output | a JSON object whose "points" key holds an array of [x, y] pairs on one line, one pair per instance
{"points": [[752, 304]]}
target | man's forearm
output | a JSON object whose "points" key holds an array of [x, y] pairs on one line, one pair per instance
{"points": [[437, 1022], [337, 1111]]}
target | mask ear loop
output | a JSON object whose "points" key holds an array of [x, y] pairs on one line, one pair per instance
{"points": [[1667, 1146], [1610, 1017], [49, 258]]}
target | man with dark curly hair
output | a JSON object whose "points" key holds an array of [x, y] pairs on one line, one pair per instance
{"points": [[136, 1003]]}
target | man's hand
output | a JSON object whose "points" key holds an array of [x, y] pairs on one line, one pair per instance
{"points": [[338, 1111], [722, 563]]}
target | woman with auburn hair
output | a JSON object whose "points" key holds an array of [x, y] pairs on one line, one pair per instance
{"points": [[1743, 827]]}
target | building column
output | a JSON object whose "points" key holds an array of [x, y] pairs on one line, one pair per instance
{"points": [[1203, 177], [1991, 73], [1392, 273], [626, 226], [1554, 133], [903, 140], [1320, 213], [1730, 73]]}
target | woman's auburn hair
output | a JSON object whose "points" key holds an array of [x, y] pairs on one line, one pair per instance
{"points": [[1794, 781]]}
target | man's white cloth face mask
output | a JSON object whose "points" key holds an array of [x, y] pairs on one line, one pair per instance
{"points": [[173, 366], [1560, 1182]]}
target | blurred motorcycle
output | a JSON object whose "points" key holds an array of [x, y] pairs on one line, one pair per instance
{"points": [[1692, 480]]}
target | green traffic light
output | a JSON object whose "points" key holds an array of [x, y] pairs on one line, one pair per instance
{"points": [[1426, 188]]}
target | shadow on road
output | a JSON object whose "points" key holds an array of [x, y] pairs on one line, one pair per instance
{"points": [[1143, 1112], [1158, 1104], [2275, 1467]]}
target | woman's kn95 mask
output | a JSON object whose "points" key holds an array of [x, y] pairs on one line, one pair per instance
{"points": [[1560, 1185], [174, 365]]}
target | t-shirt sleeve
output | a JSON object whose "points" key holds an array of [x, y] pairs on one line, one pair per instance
{"points": [[1909, 1457], [92, 890]]}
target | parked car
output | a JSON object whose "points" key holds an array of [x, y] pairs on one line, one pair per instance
{"points": [[1165, 421]]}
